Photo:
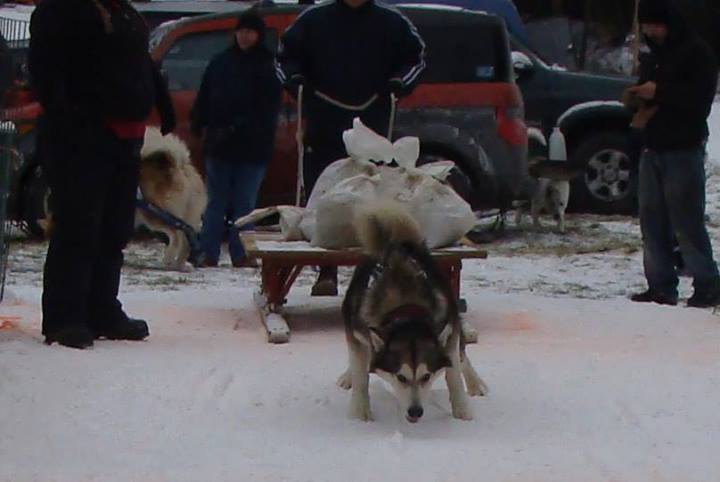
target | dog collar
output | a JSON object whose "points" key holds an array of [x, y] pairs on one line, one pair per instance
{"points": [[405, 312]]}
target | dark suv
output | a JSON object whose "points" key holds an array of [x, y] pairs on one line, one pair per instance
{"points": [[587, 109], [467, 107]]}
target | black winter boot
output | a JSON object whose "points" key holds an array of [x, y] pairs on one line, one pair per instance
{"points": [[705, 297], [650, 296], [129, 329], [326, 284], [72, 336]]}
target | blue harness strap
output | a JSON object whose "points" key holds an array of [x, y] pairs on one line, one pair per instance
{"points": [[174, 222]]}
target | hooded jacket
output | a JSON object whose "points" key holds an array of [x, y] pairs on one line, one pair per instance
{"points": [[685, 70], [89, 63], [350, 55], [238, 104]]}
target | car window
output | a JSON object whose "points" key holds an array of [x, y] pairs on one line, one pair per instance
{"points": [[186, 60], [465, 53]]}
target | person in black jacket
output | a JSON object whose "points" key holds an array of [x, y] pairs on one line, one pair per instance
{"points": [[677, 88], [92, 73], [349, 56], [237, 106]]}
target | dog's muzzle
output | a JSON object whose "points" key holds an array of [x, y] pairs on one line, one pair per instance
{"points": [[414, 413]]}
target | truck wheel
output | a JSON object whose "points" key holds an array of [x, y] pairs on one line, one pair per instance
{"points": [[609, 183], [36, 202], [457, 179]]}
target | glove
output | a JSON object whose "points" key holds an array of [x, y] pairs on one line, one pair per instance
{"points": [[396, 87], [167, 125], [293, 85]]}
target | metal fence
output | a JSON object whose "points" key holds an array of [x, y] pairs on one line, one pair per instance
{"points": [[14, 38]]}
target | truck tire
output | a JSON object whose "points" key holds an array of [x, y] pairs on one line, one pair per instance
{"points": [[610, 180]]}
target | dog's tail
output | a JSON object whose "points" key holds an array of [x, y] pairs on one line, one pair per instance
{"points": [[384, 223]]}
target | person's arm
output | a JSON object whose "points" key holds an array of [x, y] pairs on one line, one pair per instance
{"points": [[163, 102], [46, 60], [200, 110], [268, 99], [698, 82], [409, 58], [290, 60]]}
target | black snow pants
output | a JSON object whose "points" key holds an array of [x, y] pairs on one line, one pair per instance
{"points": [[93, 178]]}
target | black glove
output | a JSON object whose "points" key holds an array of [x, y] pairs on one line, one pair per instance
{"points": [[294, 82], [167, 124], [395, 86]]}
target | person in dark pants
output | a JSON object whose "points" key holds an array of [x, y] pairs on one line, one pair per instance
{"points": [[237, 106], [92, 73], [349, 56], [678, 87]]}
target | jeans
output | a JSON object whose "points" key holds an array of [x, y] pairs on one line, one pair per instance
{"points": [[672, 205], [232, 192]]}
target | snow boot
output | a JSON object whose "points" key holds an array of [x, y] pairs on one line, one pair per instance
{"points": [[72, 336], [650, 296], [326, 284], [128, 329], [705, 298]]}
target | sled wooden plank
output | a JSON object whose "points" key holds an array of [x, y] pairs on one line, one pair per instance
{"points": [[276, 327]]}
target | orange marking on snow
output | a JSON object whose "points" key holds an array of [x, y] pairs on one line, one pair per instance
{"points": [[9, 322], [519, 321]]}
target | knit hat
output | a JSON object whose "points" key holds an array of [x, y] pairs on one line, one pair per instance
{"points": [[655, 11], [250, 20]]}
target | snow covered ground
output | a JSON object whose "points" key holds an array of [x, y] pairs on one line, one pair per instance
{"points": [[585, 385]]}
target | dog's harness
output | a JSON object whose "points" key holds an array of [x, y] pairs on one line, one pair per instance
{"points": [[174, 222]]}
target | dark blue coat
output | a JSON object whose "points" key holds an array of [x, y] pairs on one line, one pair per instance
{"points": [[238, 105]]}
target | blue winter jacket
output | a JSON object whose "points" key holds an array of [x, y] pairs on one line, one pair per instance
{"points": [[238, 105]]}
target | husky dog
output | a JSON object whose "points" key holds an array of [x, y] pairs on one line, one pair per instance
{"points": [[170, 181], [401, 319]]}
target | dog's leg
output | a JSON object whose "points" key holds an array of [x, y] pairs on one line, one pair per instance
{"points": [[181, 263], [360, 398], [561, 221], [344, 381], [458, 397], [536, 208], [170, 254], [519, 213], [476, 387]]}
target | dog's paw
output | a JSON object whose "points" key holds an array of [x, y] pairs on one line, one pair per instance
{"points": [[186, 267], [360, 411], [462, 412], [344, 381], [476, 387], [469, 333]]}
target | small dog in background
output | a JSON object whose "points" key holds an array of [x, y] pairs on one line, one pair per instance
{"points": [[551, 191], [170, 181]]}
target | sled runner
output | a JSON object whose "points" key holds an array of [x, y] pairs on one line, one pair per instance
{"points": [[282, 262]]}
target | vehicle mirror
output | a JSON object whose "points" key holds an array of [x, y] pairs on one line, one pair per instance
{"points": [[521, 63]]}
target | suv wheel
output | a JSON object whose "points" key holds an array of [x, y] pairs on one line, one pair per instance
{"points": [[36, 202], [457, 179], [609, 183]]}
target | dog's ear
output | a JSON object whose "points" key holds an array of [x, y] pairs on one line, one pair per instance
{"points": [[377, 343], [445, 334], [386, 361]]}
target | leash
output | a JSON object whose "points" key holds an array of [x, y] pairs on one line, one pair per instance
{"points": [[174, 222], [393, 110], [299, 135]]}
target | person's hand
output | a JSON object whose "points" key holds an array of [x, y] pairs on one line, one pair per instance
{"points": [[645, 91], [167, 126], [395, 87], [296, 80]]}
